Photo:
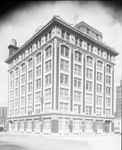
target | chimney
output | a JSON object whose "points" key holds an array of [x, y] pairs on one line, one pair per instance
{"points": [[12, 47]]}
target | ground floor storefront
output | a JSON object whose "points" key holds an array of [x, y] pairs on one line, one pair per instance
{"points": [[61, 125]]}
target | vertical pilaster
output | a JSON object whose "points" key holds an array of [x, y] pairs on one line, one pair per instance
{"points": [[42, 75], [84, 83], [57, 74], [25, 87], [71, 81], [113, 91], [33, 84], [95, 86], [104, 96]]}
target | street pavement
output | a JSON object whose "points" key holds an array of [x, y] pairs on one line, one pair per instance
{"points": [[72, 142]]}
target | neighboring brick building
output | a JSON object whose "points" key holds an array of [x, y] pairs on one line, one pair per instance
{"points": [[61, 80], [3, 118]]}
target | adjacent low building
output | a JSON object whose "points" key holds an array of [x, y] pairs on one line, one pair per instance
{"points": [[61, 81]]}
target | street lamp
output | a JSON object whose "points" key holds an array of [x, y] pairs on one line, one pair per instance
{"points": [[64, 126]]}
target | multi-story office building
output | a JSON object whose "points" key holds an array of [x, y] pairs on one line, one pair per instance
{"points": [[61, 81]]}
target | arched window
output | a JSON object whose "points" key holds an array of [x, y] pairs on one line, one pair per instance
{"points": [[38, 58], [64, 51], [78, 57], [108, 68], [23, 67], [99, 65], [30, 63], [89, 61], [48, 51]]}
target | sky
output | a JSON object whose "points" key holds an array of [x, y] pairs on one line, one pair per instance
{"points": [[21, 22]]}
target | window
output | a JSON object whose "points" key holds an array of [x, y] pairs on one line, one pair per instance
{"points": [[80, 43], [64, 107], [11, 75], [62, 34], [22, 111], [89, 61], [64, 51], [88, 47], [16, 92], [30, 87], [76, 41], [108, 79], [29, 110], [47, 124], [39, 42], [77, 82], [16, 71], [89, 98], [11, 85], [77, 109], [47, 107], [48, 93], [38, 70], [67, 36], [48, 66], [30, 99], [99, 100], [108, 90], [30, 75], [63, 93], [36, 45], [48, 79], [88, 86], [78, 57], [22, 101], [64, 79], [38, 96], [77, 96], [92, 48], [16, 102], [64, 65], [78, 69], [48, 51], [11, 94], [108, 112], [99, 88], [16, 82], [46, 37], [22, 90], [99, 76], [50, 34], [23, 67], [16, 112], [23, 78], [88, 110], [108, 102], [38, 58], [37, 108], [98, 111], [99, 65], [89, 73], [38, 83], [30, 63], [108, 69]]}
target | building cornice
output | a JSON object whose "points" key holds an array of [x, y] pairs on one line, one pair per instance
{"points": [[58, 21]]}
